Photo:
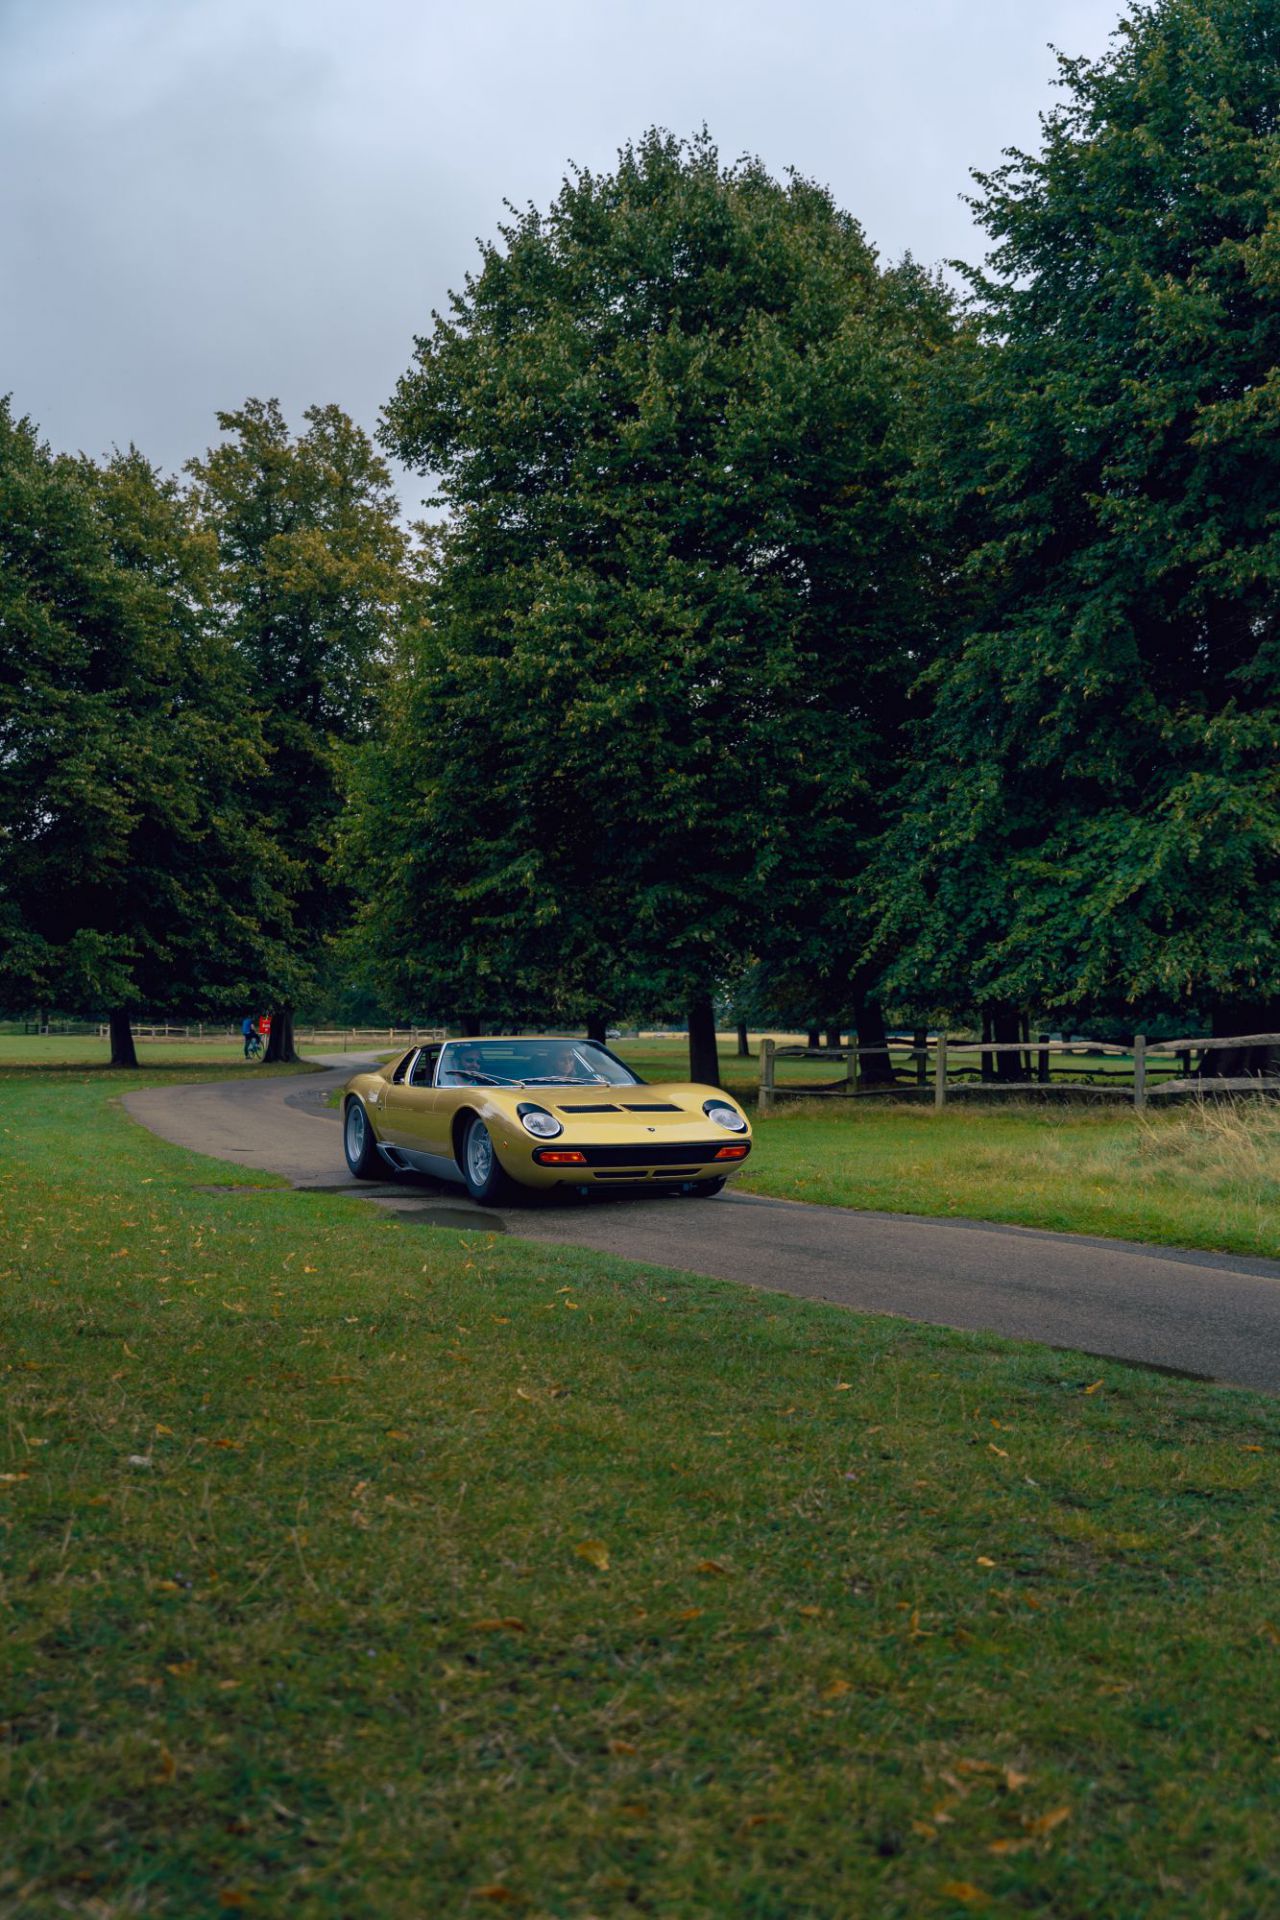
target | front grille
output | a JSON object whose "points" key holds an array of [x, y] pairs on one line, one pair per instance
{"points": [[660, 1154]]}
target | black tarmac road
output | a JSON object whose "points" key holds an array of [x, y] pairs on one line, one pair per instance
{"points": [[1211, 1315]]}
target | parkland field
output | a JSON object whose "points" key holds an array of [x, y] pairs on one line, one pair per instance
{"points": [[358, 1566]]}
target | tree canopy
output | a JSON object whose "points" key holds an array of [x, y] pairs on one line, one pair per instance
{"points": [[310, 583], [1098, 817], [669, 611], [132, 873]]}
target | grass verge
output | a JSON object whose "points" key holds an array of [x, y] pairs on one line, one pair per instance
{"points": [[353, 1567], [1200, 1176]]}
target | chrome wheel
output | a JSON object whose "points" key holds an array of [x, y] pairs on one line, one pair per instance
{"points": [[357, 1133], [479, 1154]]}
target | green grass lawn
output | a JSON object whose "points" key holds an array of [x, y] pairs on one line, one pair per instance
{"points": [[1196, 1176], [67, 1050], [353, 1567]]}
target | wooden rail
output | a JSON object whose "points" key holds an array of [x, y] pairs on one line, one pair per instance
{"points": [[949, 1056]]}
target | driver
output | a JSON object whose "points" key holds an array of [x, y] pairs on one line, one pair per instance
{"points": [[466, 1062], [565, 1064]]}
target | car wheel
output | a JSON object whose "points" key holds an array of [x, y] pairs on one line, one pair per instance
{"points": [[704, 1189], [488, 1182], [359, 1145]]}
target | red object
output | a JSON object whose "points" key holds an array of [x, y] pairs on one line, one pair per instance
{"points": [[264, 1023], [564, 1157], [731, 1153]]}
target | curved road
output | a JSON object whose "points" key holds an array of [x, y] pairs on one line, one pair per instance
{"points": [[1212, 1315]]}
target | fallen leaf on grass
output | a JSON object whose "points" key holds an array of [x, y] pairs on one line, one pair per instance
{"points": [[621, 1746], [168, 1765], [1046, 1822], [395, 1433], [507, 1623], [810, 1613], [594, 1552], [965, 1892], [993, 1448], [1008, 1846], [844, 1386], [984, 1561], [1093, 1388], [925, 1831], [837, 1690], [1245, 1449], [181, 1668], [689, 1613], [494, 1892], [710, 1567], [1013, 1779]]}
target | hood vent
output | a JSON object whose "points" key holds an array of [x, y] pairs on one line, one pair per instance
{"points": [[659, 1106], [605, 1109]]}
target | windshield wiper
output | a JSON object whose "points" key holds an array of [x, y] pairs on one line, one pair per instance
{"points": [[557, 1080]]}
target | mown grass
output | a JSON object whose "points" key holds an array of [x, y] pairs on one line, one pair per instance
{"points": [[358, 1568], [1197, 1176], [76, 1050]]}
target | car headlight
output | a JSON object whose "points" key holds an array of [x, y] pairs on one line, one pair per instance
{"points": [[538, 1121], [724, 1116]]}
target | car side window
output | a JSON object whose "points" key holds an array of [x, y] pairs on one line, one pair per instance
{"points": [[424, 1067], [401, 1066]]}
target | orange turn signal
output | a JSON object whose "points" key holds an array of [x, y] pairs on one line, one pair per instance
{"points": [[732, 1153], [559, 1157]]}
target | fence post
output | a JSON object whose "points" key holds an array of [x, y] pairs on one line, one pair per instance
{"points": [[940, 1073], [766, 1076], [851, 1060], [1139, 1070]]}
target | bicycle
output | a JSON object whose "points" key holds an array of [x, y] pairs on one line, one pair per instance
{"points": [[253, 1048]]}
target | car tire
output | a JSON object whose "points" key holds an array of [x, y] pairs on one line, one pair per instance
{"points": [[359, 1145], [488, 1182], [704, 1189]]}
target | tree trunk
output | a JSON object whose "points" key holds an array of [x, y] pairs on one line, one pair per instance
{"points": [[814, 1041], [833, 1039], [123, 1051], [704, 1057], [468, 1026], [988, 1059], [280, 1039], [1231, 1063], [875, 1069], [1006, 1025], [744, 1041], [598, 1027]]}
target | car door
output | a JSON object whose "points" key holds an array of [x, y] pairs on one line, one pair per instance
{"points": [[411, 1120]]}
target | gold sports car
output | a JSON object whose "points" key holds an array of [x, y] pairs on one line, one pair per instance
{"points": [[500, 1115]]}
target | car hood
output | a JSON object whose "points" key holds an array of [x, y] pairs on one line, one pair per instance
{"points": [[656, 1107]]}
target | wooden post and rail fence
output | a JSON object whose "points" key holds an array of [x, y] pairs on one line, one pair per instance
{"points": [[957, 1072]]}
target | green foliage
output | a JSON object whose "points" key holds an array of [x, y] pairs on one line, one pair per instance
{"points": [[670, 609], [1098, 811], [130, 873], [310, 586]]}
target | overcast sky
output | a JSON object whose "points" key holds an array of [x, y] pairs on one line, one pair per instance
{"points": [[205, 199]]}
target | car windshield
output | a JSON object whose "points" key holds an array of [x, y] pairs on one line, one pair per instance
{"points": [[531, 1063]]}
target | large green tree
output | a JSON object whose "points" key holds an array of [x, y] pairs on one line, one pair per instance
{"points": [[131, 873], [311, 588], [1097, 816], [670, 606]]}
